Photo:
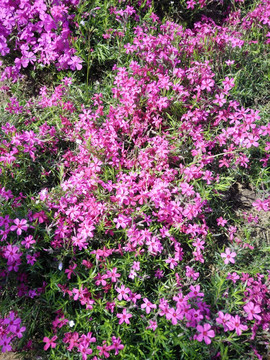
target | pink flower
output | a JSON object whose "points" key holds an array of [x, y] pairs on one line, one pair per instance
{"points": [[132, 274], [19, 226], [229, 257], [194, 317], [191, 273], [261, 205], [148, 305], [19, 331], [28, 241], [252, 311], [113, 274], [153, 325], [31, 259], [229, 62], [223, 319], [195, 291], [124, 317], [122, 221], [220, 100], [235, 324], [199, 244], [4, 342], [116, 345], [134, 297], [49, 342], [104, 349], [159, 274], [75, 63], [84, 350], [205, 333], [228, 84], [174, 315], [12, 254], [173, 263], [221, 221], [191, 4], [234, 277], [123, 292], [12, 322], [70, 271], [136, 265]]}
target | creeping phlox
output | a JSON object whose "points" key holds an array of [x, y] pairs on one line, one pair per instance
{"points": [[125, 242], [10, 330], [42, 32]]}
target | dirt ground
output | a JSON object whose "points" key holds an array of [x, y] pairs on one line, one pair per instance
{"points": [[9, 356]]}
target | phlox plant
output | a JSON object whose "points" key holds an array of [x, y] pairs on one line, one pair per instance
{"points": [[125, 246], [11, 329], [37, 33], [64, 34]]}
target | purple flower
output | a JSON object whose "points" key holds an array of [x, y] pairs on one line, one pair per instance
{"points": [[19, 226], [229, 257], [124, 317], [205, 333], [75, 63], [252, 310]]}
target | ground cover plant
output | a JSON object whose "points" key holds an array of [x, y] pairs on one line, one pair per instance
{"points": [[135, 182]]}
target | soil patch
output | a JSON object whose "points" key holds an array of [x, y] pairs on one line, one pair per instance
{"points": [[10, 356]]}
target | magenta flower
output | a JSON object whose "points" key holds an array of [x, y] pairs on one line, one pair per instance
{"points": [[195, 291], [191, 273], [220, 100], [19, 331], [148, 305], [159, 274], [4, 342], [75, 63], [113, 274], [153, 325], [235, 324], [19, 226], [174, 315], [84, 350], [49, 342], [234, 277], [116, 345], [12, 254], [191, 4], [122, 221], [28, 57], [28, 241], [261, 205], [229, 257], [123, 292], [223, 319], [104, 349], [205, 333], [194, 316], [228, 83], [124, 317], [134, 297], [252, 311], [12, 322], [70, 271], [221, 221]]}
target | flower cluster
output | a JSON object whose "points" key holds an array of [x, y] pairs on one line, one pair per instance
{"points": [[10, 330], [39, 33], [126, 234]]}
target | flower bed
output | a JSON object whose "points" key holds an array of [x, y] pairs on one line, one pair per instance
{"points": [[119, 234]]}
